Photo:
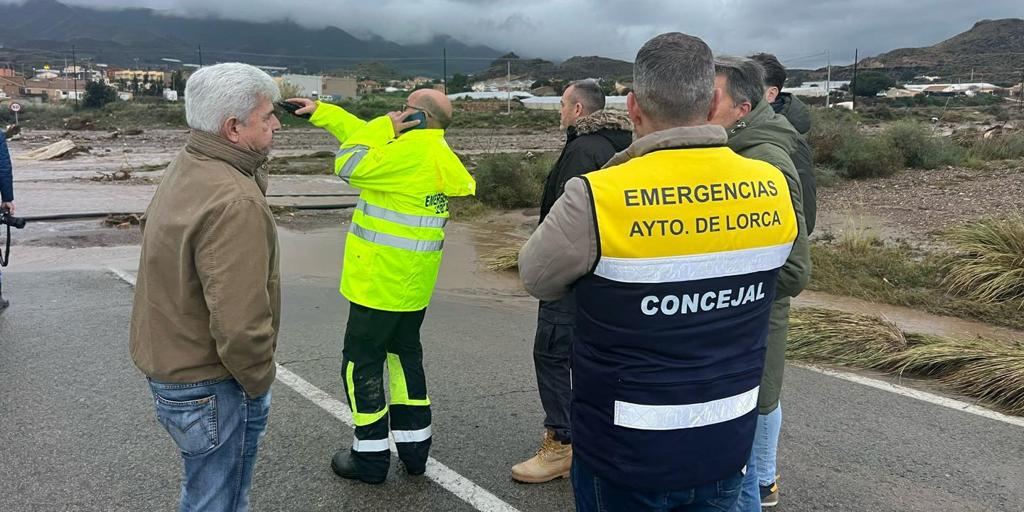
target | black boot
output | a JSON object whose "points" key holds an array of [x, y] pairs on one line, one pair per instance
{"points": [[346, 466]]}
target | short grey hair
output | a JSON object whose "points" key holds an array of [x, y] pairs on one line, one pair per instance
{"points": [[744, 78], [217, 93], [674, 79], [589, 94]]}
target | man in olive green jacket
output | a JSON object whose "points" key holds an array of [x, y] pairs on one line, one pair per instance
{"points": [[757, 132]]}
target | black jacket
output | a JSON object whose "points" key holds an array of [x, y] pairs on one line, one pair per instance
{"points": [[800, 117], [588, 146]]}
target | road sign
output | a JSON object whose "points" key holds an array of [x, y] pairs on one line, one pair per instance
{"points": [[15, 107]]}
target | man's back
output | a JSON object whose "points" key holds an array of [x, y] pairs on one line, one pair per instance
{"points": [[690, 243], [189, 305]]}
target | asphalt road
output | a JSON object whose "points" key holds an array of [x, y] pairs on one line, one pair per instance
{"points": [[77, 428]]}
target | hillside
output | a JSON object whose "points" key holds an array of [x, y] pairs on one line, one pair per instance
{"points": [[994, 49], [572, 69], [143, 36]]}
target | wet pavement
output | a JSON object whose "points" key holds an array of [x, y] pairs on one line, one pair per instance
{"points": [[79, 433]]}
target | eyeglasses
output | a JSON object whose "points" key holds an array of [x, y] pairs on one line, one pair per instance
{"points": [[406, 106]]}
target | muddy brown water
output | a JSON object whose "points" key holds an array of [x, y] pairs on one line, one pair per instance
{"points": [[910, 320]]}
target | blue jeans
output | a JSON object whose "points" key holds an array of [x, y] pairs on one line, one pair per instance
{"points": [[218, 428], [761, 465], [595, 494]]}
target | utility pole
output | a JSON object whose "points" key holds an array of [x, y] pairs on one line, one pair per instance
{"points": [[200, 55], [508, 86], [1020, 94], [972, 75], [74, 69], [853, 83], [828, 79], [444, 57]]}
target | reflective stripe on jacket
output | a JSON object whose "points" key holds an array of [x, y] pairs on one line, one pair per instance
{"points": [[393, 248], [673, 318]]}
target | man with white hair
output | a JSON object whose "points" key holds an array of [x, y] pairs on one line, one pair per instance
{"points": [[207, 301]]}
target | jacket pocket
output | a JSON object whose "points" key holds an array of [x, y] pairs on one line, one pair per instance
{"points": [[191, 423]]}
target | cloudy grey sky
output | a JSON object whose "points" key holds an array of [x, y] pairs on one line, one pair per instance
{"points": [[798, 31]]}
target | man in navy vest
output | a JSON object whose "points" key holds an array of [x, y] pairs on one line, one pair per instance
{"points": [[672, 251]]}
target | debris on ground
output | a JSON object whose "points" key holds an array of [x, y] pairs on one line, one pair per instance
{"points": [[280, 210], [122, 175], [500, 260], [61, 149], [79, 123], [122, 221]]}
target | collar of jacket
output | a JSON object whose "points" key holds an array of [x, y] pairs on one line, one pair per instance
{"points": [[674, 138], [423, 133], [213, 146], [761, 113], [601, 120]]}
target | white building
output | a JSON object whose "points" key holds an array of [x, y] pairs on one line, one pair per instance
{"points": [[502, 84], [969, 89], [308, 85], [494, 95], [554, 103]]}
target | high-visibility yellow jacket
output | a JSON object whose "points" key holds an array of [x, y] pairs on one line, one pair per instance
{"points": [[393, 248]]}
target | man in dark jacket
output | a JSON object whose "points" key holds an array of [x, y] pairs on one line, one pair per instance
{"points": [[6, 189], [593, 135], [798, 115]]}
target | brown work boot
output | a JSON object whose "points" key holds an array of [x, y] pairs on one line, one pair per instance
{"points": [[553, 460]]}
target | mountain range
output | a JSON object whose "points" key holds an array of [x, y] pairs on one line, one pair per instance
{"points": [[139, 37], [43, 31]]}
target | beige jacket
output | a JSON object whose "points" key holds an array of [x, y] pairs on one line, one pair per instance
{"points": [[564, 247], [207, 301]]}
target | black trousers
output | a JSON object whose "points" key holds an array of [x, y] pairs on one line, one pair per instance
{"points": [[552, 348], [374, 338]]}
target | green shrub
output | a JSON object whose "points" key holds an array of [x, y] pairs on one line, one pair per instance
{"points": [[920, 148], [861, 156], [999, 148], [828, 129], [509, 180]]}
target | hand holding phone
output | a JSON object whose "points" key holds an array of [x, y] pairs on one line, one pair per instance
{"points": [[290, 107], [416, 116]]}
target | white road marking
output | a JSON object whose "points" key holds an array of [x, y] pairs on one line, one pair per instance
{"points": [[447, 478], [125, 276], [924, 396]]}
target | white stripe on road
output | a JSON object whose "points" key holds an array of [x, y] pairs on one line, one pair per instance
{"points": [[916, 394], [125, 276], [453, 482]]}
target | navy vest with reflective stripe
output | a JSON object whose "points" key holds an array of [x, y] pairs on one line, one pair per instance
{"points": [[669, 350]]}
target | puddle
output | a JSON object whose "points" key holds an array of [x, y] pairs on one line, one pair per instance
{"points": [[318, 253], [910, 320]]}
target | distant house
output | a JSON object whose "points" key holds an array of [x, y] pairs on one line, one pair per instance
{"points": [[502, 84], [54, 90], [546, 90], [961, 89], [12, 86], [893, 92], [129, 75], [341, 87]]}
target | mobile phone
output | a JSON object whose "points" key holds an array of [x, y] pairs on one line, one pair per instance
{"points": [[415, 116], [291, 108]]}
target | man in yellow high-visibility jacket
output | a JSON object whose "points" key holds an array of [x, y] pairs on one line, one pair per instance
{"points": [[405, 172]]}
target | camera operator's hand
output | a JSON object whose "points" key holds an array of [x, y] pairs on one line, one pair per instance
{"points": [[9, 207], [308, 105]]}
